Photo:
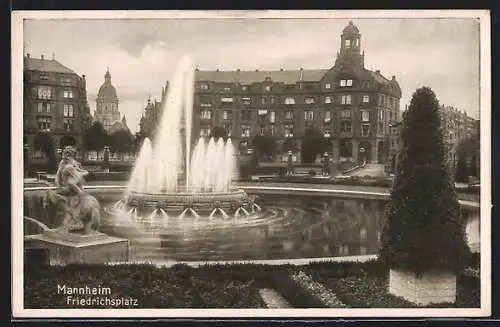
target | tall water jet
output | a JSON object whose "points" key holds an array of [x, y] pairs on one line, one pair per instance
{"points": [[139, 179]]}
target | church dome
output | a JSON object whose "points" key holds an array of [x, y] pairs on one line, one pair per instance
{"points": [[107, 90], [351, 29]]}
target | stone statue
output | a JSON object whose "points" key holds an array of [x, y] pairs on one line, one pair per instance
{"points": [[79, 210]]}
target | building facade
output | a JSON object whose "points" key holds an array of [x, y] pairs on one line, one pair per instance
{"points": [[54, 105], [353, 107], [107, 112], [152, 114], [457, 126]]}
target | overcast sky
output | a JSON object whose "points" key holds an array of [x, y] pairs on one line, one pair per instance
{"points": [[142, 54]]}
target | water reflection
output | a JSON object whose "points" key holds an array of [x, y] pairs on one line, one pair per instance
{"points": [[293, 227]]}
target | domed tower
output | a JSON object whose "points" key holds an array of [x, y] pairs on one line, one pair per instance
{"points": [[350, 47], [107, 103]]}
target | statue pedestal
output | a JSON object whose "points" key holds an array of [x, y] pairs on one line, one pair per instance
{"points": [[67, 248]]}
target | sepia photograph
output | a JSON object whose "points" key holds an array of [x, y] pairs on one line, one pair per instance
{"points": [[251, 163]]}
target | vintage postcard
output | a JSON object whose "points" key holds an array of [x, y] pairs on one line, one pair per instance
{"points": [[251, 163]]}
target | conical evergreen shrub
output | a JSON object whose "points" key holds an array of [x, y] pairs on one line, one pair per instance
{"points": [[423, 230]]}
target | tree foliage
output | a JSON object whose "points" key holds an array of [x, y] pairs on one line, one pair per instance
{"points": [[95, 138], [314, 144], [264, 145], [45, 143], [290, 144], [423, 229], [462, 171], [218, 132], [121, 141]]}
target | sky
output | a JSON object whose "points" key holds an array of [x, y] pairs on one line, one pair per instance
{"points": [[142, 53]]}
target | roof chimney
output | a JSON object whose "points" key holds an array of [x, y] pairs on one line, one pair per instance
{"points": [[28, 55], [238, 70], [281, 69], [256, 70], [393, 77], [42, 57], [83, 76], [53, 56], [377, 71]]}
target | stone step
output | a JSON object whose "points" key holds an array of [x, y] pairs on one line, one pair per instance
{"points": [[273, 299]]}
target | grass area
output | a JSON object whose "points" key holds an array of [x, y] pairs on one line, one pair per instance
{"points": [[227, 286]]}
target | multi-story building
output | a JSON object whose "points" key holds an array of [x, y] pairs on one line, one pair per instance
{"points": [[152, 114], [55, 105], [107, 104], [352, 106], [456, 126]]}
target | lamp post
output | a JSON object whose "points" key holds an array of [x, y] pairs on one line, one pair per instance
{"points": [[326, 164], [290, 163], [106, 159]]}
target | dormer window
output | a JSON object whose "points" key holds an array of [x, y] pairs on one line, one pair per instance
{"points": [[356, 42], [268, 88], [227, 89], [328, 86], [347, 43], [345, 82]]}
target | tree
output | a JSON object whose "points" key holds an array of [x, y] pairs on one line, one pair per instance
{"points": [[218, 132], [121, 141], [264, 145], [462, 171], [290, 144], [314, 143], [44, 143], [423, 230], [473, 171], [95, 138]]}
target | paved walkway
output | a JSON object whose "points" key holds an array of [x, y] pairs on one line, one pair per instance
{"points": [[374, 170], [273, 299]]}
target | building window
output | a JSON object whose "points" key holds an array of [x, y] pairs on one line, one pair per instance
{"points": [[246, 100], [44, 77], [243, 144], [227, 89], [365, 129], [366, 98], [44, 124], [272, 117], [43, 107], [346, 99], [68, 125], [226, 115], [363, 234], [289, 115], [327, 132], [309, 115], [345, 127], [343, 249], [205, 131], [288, 130], [347, 43], [381, 114], [328, 99], [345, 82], [365, 115], [44, 93], [262, 112], [226, 100], [381, 128], [272, 100], [268, 88], [206, 104], [68, 94], [356, 42], [289, 100], [263, 101], [66, 81], [328, 86], [262, 130], [68, 110], [328, 116], [244, 88], [204, 87], [273, 130], [246, 115], [206, 114], [245, 130], [345, 114], [365, 84], [309, 100]]}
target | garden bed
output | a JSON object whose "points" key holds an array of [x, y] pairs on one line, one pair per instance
{"points": [[230, 286]]}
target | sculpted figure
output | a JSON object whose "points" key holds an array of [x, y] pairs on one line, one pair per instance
{"points": [[80, 211]]}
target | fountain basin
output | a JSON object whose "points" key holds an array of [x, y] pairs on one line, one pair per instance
{"points": [[203, 204]]}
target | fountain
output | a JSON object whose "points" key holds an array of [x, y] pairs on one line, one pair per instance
{"points": [[169, 180]]}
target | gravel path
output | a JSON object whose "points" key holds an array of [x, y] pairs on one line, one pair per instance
{"points": [[273, 299]]}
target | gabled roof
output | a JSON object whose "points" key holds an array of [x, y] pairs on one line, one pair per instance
{"points": [[44, 65], [249, 77]]}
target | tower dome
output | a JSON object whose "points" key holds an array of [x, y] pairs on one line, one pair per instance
{"points": [[107, 90], [351, 29]]}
